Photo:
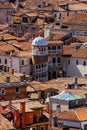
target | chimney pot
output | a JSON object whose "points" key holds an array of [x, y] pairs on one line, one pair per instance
{"points": [[8, 79], [12, 71]]}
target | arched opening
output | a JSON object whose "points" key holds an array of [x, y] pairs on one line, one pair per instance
{"points": [[58, 47], [54, 75], [36, 66], [49, 76], [54, 48], [58, 60], [54, 60], [49, 48]]}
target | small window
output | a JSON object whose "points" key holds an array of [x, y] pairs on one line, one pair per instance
{"points": [[42, 128], [34, 128], [53, 47], [25, 19], [5, 61], [22, 62], [17, 90], [68, 61], [84, 63], [36, 66], [58, 47], [77, 62], [2, 91], [30, 61], [0, 60], [58, 60]]}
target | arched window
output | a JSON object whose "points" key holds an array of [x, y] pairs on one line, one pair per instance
{"points": [[54, 60], [54, 48], [39, 66], [84, 63], [58, 60], [42, 75], [58, 47], [42, 65], [49, 48], [36, 66]]}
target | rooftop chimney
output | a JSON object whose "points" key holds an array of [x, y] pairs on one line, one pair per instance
{"points": [[12, 71], [22, 110], [8, 79], [75, 82]]}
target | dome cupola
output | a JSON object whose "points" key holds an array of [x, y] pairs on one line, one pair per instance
{"points": [[39, 41]]}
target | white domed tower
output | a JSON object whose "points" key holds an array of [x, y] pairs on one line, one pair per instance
{"points": [[40, 59]]}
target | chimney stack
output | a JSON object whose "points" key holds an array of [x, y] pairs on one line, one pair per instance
{"points": [[75, 82], [17, 118], [12, 71], [22, 110], [8, 79]]}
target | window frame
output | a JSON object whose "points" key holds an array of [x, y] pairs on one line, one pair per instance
{"points": [[5, 61], [2, 92], [42, 127], [18, 90]]}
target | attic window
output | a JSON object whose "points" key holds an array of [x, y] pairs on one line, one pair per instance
{"points": [[25, 19]]}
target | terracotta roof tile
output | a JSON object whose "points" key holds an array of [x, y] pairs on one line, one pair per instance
{"points": [[76, 19], [7, 6], [68, 115], [5, 124]]}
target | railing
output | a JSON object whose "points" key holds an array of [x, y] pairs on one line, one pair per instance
{"points": [[41, 70], [54, 51], [40, 53], [54, 64], [13, 84], [44, 79]]}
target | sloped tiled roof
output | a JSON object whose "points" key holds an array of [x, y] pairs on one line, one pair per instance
{"points": [[5, 124], [78, 114]]}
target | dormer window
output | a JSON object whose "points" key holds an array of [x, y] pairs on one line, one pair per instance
{"points": [[25, 19]]}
